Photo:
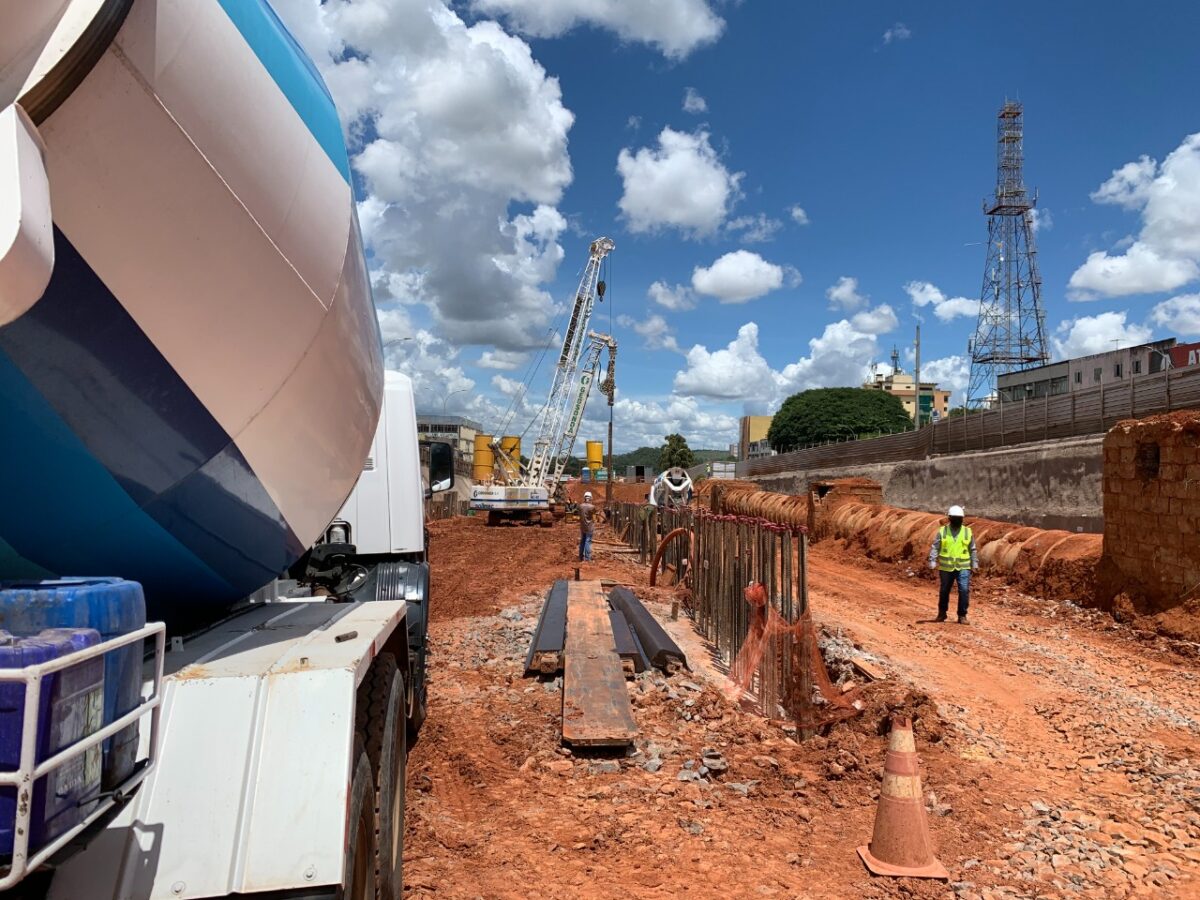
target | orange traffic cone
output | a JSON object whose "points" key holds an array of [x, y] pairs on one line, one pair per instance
{"points": [[900, 844]]}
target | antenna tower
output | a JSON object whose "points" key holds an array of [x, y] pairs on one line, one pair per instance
{"points": [[1011, 331]]}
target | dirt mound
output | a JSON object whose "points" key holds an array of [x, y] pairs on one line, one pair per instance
{"points": [[1053, 563], [786, 509], [476, 570], [623, 491], [704, 489], [1182, 622]]}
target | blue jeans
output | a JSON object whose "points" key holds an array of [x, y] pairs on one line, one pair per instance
{"points": [[964, 591], [585, 546]]}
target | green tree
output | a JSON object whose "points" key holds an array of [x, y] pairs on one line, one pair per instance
{"points": [[829, 414], [957, 411], [675, 452]]}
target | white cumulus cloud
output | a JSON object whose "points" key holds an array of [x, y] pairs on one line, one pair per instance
{"points": [[898, 32], [676, 298], [1179, 314], [1139, 270], [799, 216], [879, 320], [738, 277], [844, 294], [1041, 219], [680, 184], [1085, 335], [1165, 254], [736, 372], [449, 124], [674, 27], [754, 229], [1128, 186], [840, 356], [654, 331], [693, 102], [947, 309], [950, 373], [504, 360]]}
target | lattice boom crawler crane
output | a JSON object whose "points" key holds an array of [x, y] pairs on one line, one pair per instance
{"points": [[535, 490]]}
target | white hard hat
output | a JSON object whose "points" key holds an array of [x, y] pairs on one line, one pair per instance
{"points": [[587, 495], [956, 511]]}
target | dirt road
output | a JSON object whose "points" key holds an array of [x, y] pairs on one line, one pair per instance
{"points": [[1059, 752]]}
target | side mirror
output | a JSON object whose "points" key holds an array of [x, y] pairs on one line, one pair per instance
{"points": [[441, 467]]}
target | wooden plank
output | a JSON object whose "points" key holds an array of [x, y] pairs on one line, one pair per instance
{"points": [[868, 670], [596, 711]]}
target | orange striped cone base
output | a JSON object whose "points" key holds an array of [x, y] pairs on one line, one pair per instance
{"points": [[900, 844]]}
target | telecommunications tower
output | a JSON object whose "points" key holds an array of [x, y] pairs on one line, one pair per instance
{"points": [[1011, 332]]}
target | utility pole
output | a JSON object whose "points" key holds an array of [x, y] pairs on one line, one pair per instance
{"points": [[917, 376]]}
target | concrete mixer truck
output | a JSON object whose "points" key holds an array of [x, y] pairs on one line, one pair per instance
{"points": [[194, 405]]}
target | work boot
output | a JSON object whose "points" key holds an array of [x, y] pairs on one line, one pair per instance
{"points": [[941, 617], [962, 620]]}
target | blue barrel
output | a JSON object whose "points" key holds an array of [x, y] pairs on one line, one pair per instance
{"points": [[71, 706], [113, 607]]}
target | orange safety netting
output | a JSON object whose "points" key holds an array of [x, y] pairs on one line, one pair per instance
{"points": [[774, 646]]}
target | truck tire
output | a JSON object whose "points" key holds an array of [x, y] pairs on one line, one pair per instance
{"points": [[384, 730], [358, 870]]}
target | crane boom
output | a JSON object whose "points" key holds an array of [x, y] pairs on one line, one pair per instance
{"points": [[551, 437], [557, 423]]}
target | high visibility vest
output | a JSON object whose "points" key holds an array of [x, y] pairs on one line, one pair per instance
{"points": [[954, 553]]}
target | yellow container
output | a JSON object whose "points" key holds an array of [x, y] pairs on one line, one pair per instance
{"points": [[511, 445], [595, 455], [483, 468]]}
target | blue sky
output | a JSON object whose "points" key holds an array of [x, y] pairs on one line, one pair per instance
{"points": [[493, 139]]}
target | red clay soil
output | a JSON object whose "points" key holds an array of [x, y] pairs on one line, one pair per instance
{"points": [[479, 570], [623, 491], [705, 488], [1054, 750]]}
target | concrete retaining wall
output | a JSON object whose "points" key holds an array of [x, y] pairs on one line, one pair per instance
{"points": [[1049, 484]]}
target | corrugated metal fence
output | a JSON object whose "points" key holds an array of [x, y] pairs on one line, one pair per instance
{"points": [[1091, 411]]}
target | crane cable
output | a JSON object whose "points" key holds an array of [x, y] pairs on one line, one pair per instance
{"points": [[531, 372]]}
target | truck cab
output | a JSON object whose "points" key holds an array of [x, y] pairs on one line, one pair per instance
{"points": [[276, 760]]}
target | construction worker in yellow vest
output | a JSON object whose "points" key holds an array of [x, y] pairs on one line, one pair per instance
{"points": [[953, 555]]}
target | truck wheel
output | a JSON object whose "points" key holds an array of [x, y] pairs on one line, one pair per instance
{"points": [[358, 870], [381, 718], [493, 519]]}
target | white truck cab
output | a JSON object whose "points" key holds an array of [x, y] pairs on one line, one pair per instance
{"points": [[277, 766]]}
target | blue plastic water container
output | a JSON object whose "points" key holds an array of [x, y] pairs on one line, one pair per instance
{"points": [[111, 606], [71, 706]]}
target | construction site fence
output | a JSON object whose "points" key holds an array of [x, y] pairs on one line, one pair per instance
{"points": [[1074, 414], [764, 636], [447, 508]]}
